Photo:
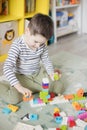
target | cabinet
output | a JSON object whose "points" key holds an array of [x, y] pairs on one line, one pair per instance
{"points": [[62, 15], [16, 12]]}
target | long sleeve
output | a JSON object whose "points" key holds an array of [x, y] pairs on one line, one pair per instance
{"points": [[46, 61], [10, 64]]}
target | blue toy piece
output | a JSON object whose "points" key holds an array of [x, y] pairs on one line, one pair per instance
{"points": [[58, 119], [85, 127], [33, 117], [6, 110], [35, 101]]}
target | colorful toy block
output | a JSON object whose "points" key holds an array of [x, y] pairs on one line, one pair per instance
{"points": [[81, 111], [56, 76], [76, 106], [82, 116], [76, 98], [52, 94], [13, 108], [45, 82], [56, 109], [56, 114], [81, 123], [6, 110], [33, 117], [58, 100], [58, 119], [64, 121], [63, 114], [85, 127], [69, 97], [27, 97], [80, 92], [63, 127]]}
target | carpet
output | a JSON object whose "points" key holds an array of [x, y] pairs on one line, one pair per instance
{"points": [[74, 76]]}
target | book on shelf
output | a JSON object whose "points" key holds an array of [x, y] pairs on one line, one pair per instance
{"points": [[30, 6], [3, 7], [0, 6]]}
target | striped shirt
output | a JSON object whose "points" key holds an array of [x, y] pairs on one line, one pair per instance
{"points": [[21, 59]]}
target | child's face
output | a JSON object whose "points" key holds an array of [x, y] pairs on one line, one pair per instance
{"points": [[35, 41]]}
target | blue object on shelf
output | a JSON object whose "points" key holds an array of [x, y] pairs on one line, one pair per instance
{"points": [[51, 40]]}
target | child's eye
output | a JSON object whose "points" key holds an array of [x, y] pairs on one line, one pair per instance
{"points": [[36, 41]]}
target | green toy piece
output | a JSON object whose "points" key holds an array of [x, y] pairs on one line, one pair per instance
{"points": [[56, 76]]}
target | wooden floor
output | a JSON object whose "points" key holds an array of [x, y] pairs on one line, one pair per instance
{"points": [[76, 44]]}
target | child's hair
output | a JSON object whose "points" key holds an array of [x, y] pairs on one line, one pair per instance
{"points": [[41, 24]]}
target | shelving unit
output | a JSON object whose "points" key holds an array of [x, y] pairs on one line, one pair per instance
{"points": [[69, 28], [16, 11]]}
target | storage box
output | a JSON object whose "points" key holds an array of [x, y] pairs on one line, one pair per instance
{"points": [[8, 32]]}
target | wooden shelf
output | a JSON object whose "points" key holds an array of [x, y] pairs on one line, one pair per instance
{"points": [[67, 6], [16, 11], [74, 10]]}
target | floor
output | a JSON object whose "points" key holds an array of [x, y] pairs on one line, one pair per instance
{"points": [[76, 44]]}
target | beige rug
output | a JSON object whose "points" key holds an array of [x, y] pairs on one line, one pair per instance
{"points": [[74, 76]]}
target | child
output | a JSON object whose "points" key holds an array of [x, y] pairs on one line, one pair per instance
{"points": [[22, 67]]}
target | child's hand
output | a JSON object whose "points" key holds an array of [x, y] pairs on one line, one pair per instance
{"points": [[59, 72], [23, 90], [56, 75]]}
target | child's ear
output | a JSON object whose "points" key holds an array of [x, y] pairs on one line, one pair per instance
{"points": [[27, 31]]}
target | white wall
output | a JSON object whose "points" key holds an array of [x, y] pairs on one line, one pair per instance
{"points": [[84, 16]]}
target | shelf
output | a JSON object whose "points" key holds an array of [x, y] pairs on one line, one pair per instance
{"points": [[66, 30], [6, 18], [67, 6], [16, 11], [30, 15], [66, 13]]}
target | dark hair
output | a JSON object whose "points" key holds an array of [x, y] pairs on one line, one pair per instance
{"points": [[41, 24]]}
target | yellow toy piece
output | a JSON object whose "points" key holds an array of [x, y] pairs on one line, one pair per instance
{"points": [[13, 108], [56, 109]]}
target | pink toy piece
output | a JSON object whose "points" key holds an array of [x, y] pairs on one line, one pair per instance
{"points": [[82, 116]]}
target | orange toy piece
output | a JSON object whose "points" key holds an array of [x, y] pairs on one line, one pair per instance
{"points": [[80, 92], [76, 106], [27, 98], [69, 97]]}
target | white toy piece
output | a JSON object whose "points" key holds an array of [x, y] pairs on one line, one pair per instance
{"points": [[58, 100], [81, 123], [63, 114], [45, 81], [64, 121], [51, 128], [78, 128], [36, 105]]}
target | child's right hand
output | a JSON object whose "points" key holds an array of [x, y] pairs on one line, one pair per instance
{"points": [[23, 90]]}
